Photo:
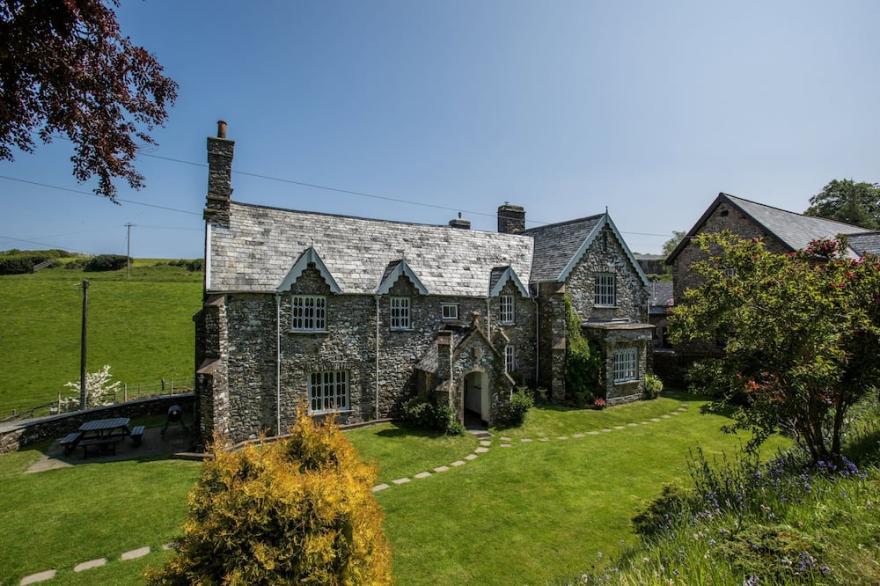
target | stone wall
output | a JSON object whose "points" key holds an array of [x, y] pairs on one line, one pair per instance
{"points": [[724, 217], [349, 343], [632, 295], [19, 434], [475, 355]]}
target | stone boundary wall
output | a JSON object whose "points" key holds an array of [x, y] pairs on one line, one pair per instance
{"points": [[18, 434]]}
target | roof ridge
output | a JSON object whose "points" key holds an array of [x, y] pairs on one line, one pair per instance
{"points": [[363, 218], [791, 212], [593, 217]]}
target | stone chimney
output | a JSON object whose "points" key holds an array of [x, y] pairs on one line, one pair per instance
{"points": [[220, 150], [511, 219], [460, 222]]}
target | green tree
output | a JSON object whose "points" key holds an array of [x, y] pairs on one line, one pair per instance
{"points": [[798, 332], [669, 245], [847, 201]]}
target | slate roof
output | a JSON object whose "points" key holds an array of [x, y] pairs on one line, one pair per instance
{"points": [[661, 293], [257, 250], [793, 229], [865, 243], [556, 244]]}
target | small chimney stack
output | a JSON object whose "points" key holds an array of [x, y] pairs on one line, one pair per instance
{"points": [[220, 152], [460, 222], [511, 218]]}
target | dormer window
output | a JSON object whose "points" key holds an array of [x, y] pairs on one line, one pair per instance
{"points": [[308, 313], [605, 290], [506, 306], [400, 313]]}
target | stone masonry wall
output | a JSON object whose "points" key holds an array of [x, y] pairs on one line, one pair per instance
{"points": [[632, 295], [725, 217], [349, 343], [521, 334]]}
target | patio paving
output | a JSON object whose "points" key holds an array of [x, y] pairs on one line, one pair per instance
{"points": [[153, 446]]}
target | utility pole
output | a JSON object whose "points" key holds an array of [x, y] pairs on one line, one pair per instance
{"points": [[128, 226], [82, 345]]}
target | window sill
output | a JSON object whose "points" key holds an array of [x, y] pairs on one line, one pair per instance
{"points": [[627, 381], [596, 306], [402, 329], [506, 323], [308, 331], [329, 411]]}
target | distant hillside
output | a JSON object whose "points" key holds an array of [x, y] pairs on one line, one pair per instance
{"points": [[142, 327]]}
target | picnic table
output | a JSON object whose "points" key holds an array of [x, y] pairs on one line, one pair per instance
{"points": [[101, 434]]}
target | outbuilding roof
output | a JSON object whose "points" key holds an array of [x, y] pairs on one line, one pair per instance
{"points": [[794, 230], [865, 243]]}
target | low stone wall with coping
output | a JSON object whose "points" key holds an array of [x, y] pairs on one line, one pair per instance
{"points": [[19, 434]]}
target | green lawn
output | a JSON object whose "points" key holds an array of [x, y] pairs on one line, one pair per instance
{"points": [[529, 514], [141, 327]]}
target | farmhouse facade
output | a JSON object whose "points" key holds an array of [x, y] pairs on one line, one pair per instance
{"points": [[354, 316]]}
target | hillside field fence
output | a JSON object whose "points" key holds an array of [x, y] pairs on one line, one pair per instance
{"points": [[126, 392]]}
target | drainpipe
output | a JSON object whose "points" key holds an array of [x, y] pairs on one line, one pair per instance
{"points": [[278, 363], [537, 343], [488, 318], [377, 356]]}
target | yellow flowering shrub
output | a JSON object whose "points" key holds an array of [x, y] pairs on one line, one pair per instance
{"points": [[298, 510]]}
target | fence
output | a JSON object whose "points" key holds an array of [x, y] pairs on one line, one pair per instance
{"points": [[67, 403]]}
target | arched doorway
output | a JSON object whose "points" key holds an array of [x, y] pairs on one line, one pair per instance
{"points": [[476, 397]]}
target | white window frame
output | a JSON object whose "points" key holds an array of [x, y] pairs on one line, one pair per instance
{"points": [[329, 391], [308, 313], [450, 315], [506, 310], [605, 290], [509, 358], [625, 364], [399, 313]]}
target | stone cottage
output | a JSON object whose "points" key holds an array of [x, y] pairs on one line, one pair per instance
{"points": [[354, 316]]}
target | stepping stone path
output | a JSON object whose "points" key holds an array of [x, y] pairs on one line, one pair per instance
{"points": [[35, 578], [135, 554], [89, 565], [485, 443]]}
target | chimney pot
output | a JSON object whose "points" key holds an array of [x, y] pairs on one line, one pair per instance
{"points": [[221, 129]]}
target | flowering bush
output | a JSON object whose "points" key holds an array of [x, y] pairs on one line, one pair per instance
{"points": [[101, 389], [653, 386], [599, 403], [299, 510]]}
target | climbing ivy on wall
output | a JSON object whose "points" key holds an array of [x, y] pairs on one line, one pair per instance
{"points": [[583, 360]]}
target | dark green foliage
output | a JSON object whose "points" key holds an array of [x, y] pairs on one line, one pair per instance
{"points": [[847, 201], [18, 265], [772, 551], [106, 262], [513, 412], [663, 511], [424, 415], [583, 362], [193, 265]]}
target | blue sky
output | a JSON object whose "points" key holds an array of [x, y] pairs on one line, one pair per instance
{"points": [[650, 108]]}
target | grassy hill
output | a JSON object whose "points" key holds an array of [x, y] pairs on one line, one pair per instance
{"points": [[142, 327]]}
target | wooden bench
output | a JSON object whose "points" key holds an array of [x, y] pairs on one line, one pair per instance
{"points": [[137, 435], [69, 442], [102, 443]]}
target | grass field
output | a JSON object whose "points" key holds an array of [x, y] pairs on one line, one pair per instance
{"points": [[141, 327], [530, 514]]}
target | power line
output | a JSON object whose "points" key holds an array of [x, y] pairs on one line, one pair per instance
{"points": [[89, 193], [363, 193]]}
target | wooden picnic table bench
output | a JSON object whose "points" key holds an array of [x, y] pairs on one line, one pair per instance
{"points": [[70, 441], [103, 444]]}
